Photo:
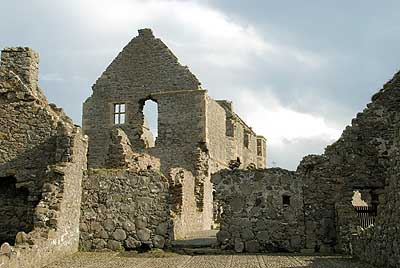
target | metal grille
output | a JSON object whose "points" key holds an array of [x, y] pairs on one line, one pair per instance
{"points": [[366, 215]]}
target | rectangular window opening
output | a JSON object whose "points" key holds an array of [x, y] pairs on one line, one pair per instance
{"points": [[246, 140], [259, 148], [286, 200], [119, 113]]}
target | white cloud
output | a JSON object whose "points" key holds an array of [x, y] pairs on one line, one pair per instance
{"points": [[279, 124], [203, 34]]}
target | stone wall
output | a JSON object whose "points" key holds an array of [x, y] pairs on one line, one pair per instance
{"points": [[359, 160], [241, 140], [379, 244], [144, 67], [216, 135], [42, 160], [125, 209], [262, 210]]}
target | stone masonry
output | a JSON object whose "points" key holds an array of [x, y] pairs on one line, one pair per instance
{"points": [[42, 160], [125, 209], [262, 210]]}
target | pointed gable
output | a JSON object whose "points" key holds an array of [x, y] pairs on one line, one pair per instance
{"points": [[146, 65]]}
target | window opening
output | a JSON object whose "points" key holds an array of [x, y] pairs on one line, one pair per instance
{"points": [[365, 205], [119, 113], [150, 122], [286, 200], [246, 140], [259, 147]]}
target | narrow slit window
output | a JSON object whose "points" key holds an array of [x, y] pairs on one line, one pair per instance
{"points": [[119, 113]]}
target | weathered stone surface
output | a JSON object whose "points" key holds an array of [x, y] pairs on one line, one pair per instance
{"points": [[129, 226], [162, 228], [132, 243], [158, 241], [141, 222], [252, 246], [119, 235], [254, 212], [108, 225], [223, 236], [133, 210], [239, 245], [6, 249], [114, 245], [144, 234], [21, 238]]}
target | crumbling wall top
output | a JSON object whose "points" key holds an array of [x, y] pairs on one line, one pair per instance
{"points": [[24, 62], [146, 32]]}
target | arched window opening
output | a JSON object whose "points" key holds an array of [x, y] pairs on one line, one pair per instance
{"points": [[150, 123]]}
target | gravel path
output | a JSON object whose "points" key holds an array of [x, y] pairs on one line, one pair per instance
{"points": [[169, 260]]}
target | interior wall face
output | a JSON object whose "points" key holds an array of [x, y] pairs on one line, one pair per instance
{"points": [[216, 135]]}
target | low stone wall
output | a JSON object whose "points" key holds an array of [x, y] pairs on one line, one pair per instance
{"points": [[124, 209], [262, 210], [56, 225]]}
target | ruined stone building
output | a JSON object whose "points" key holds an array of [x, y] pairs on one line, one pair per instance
{"points": [[197, 135], [259, 204], [42, 161], [117, 188]]}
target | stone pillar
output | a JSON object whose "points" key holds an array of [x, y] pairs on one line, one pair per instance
{"points": [[24, 62]]}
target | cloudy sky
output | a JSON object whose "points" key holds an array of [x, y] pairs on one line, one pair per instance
{"points": [[297, 71]]}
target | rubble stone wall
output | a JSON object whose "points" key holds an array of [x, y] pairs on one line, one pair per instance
{"points": [[359, 160], [42, 158], [125, 209], [262, 210], [379, 244]]}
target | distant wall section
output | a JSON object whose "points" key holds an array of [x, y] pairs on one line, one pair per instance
{"points": [[261, 210]]}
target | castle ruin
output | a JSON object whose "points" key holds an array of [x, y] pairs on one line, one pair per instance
{"points": [[110, 185]]}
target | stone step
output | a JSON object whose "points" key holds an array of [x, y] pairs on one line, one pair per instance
{"points": [[208, 242], [202, 251]]}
